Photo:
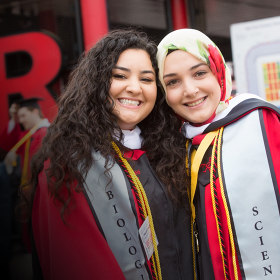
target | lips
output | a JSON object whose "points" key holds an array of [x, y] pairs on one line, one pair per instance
{"points": [[129, 102], [192, 104]]}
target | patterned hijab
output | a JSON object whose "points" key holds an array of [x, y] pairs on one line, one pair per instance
{"points": [[199, 45]]}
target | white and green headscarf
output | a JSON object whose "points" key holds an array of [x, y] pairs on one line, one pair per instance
{"points": [[199, 45]]}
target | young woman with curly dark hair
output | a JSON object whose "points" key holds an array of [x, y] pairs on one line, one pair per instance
{"points": [[93, 187]]}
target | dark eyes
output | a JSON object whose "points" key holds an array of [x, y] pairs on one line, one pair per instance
{"points": [[118, 76], [122, 77], [147, 80], [172, 82], [200, 73]]}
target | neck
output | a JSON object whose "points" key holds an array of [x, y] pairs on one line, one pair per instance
{"points": [[206, 122]]}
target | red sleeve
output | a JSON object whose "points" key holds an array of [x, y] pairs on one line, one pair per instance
{"points": [[8, 140], [272, 128], [77, 251]]}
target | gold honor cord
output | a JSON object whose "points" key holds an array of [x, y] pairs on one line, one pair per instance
{"points": [[234, 260], [196, 159], [195, 164], [145, 205], [218, 142], [26, 138], [214, 204], [192, 222], [24, 176], [23, 139]]}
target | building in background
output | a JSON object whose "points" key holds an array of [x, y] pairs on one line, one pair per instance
{"points": [[41, 40], [215, 17], [256, 55]]}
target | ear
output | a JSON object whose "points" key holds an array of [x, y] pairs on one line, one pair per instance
{"points": [[36, 112]]}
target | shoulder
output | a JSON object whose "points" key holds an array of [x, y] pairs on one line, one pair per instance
{"points": [[246, 102], [40, 133], [42, 129], [239, 107]]}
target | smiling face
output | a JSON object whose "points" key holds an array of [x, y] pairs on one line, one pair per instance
{"points": [[193, 91], [133, 88]]}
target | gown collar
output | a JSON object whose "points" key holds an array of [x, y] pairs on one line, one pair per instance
{"points": [[132, 138]]}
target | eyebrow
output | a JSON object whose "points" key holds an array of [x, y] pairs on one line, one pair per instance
{"points": [[122, 68], [147, 72], [195, 66], [192, 68], [128, 70]]}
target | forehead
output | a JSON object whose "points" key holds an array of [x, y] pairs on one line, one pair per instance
{"points": [[178, 59], [134, 57], [23, 110]]}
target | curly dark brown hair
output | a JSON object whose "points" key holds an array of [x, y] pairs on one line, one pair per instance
{"points": [[85, 122]]}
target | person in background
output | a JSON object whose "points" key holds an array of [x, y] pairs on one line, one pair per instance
{"points": [[20, 145], [99, 210], [24, 113], [234, 150]]}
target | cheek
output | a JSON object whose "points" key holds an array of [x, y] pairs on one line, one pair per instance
{"points": [[150, 93], [217, 94], [216, 89], [154, 94], [113, 92], [114, 89]]}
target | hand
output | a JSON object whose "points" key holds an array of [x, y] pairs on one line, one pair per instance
{"points": [[10, 161], [13, 111]]}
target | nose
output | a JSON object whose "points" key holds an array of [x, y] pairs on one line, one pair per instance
{"points": [[190, 88], [134, 86]]}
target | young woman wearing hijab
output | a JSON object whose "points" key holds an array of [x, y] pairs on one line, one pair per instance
{"points": [[98, 209], [234, 151]]}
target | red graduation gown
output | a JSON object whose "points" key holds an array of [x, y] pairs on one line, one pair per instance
{"points": [[9, 139], [80, 250], [210, 264]]}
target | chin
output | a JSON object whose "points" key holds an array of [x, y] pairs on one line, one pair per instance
{"points": [[200, 119], [127, 126], [26, 127]]}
